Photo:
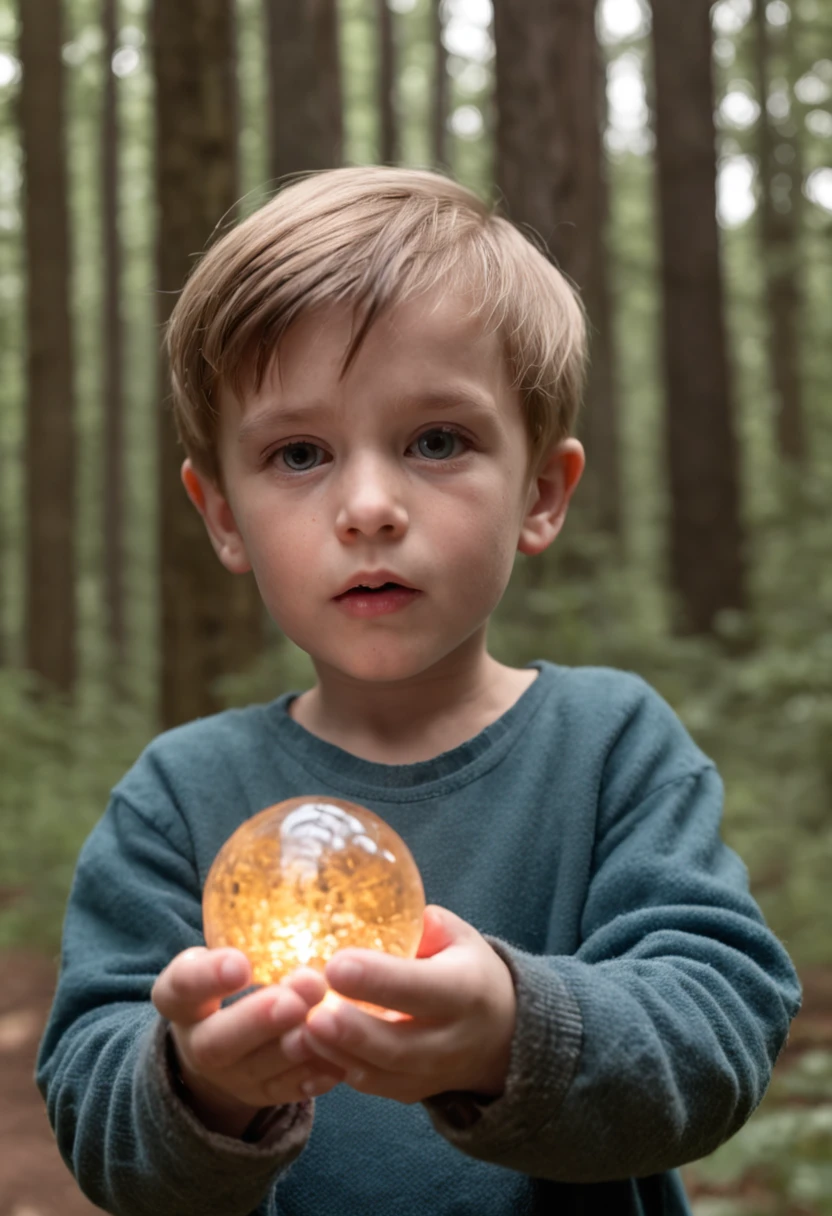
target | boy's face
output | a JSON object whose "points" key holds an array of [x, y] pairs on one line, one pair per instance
{"points": [[411, 469]]}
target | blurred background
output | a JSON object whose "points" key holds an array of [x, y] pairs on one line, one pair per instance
{"points": [[676, 160]]}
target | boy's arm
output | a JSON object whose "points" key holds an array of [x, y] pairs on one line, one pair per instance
{"points": [[654, 1043], [105, 1066]]}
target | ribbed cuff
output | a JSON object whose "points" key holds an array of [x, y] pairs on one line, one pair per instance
{"points": [[279, 1132], [544, 1058]]}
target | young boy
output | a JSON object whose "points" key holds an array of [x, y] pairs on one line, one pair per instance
{"points": [[375, 381]]}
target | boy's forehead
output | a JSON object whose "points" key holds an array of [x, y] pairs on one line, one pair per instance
{"points": [[418, 343]]}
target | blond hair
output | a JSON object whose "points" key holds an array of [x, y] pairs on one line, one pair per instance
{"points": [[370, 237]]}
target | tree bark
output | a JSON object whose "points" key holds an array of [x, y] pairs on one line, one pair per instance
{"points": [[549, 169], [389, 150], [603, 421], [50, 402], [211, 621], [113, 384], [707, 569], [304, 86], [780, 187], [439, 115]]}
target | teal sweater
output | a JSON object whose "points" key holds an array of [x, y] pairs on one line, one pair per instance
{"points": [[579, 833]]}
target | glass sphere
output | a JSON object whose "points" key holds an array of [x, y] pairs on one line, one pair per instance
{"points": [[307, 877]]}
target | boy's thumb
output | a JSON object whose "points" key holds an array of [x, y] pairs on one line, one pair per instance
{"points": [[440, 928]]}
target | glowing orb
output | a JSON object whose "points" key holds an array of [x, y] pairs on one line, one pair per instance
{"points": [[307, 877]]}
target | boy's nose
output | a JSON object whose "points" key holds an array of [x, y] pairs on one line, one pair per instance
{"points": [[371, 504]]}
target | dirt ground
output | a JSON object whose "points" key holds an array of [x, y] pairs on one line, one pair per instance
{"points": [[33, 1179]]}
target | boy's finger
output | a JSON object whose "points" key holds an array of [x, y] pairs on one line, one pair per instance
{"points": [[351, 1039], [423, 988], [236, 1031], [271, 1060], [440, 928], [309, 984], [325, 1056], [301, 1082], [194, 983]]}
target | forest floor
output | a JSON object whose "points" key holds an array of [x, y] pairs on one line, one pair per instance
{"points": [[35, 1182]]}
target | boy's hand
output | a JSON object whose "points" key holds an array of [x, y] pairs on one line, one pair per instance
{"points": [[460, 998], [230, 1058]]}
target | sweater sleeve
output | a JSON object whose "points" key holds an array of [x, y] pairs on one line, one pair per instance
{"points": [[132, 1144], [654, 1042]]}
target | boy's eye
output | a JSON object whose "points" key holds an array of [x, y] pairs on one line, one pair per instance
{"points": [[441, 443], [300, 457]]}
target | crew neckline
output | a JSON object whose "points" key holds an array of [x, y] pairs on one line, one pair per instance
{"points": [[351, 774]]}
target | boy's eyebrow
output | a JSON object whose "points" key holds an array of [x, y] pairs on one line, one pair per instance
{"points": [[426, 399]]}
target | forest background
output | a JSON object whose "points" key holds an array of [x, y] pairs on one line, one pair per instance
{"points": [[677, 161]]}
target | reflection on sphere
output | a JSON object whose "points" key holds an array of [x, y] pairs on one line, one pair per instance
{"points": [[307, 877]]}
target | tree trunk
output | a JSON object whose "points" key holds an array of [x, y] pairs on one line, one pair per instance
{"points": [[113, 334], [304, 86], [780, 183], [706, 541], [5, 647], [439, 116], [211, 621], [389, 153], [50, 406], [602, 424], [550, 172]]}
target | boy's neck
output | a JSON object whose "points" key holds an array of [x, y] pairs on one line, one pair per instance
{"points": [[408, 722]]}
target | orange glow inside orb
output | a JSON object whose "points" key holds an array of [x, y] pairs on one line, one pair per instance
{"points": [[307, 877]]}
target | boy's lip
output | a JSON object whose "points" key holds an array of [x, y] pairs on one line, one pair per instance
{"points": [[373, 578]]}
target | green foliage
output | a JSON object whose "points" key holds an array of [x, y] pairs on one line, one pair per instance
{"points": [[58, 764]]}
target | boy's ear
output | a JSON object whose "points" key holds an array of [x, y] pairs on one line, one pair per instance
{"points": [[218, 517], [548, 497]]}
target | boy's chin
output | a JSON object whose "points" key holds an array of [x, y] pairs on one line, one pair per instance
{"points": [[377, 667], [371, 672]]}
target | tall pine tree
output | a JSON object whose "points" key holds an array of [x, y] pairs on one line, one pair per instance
{"points": [[439, 112], [707, 569], [304, 86], [211, 621], [549, 168], [780, 186], [50, 400], [389, 149], [113, 354]]}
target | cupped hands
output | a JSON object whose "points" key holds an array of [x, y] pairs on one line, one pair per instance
{"points": [[231, 1059], [458, 1001]]}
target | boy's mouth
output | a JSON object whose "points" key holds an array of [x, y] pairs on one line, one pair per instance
{"points": [[376, 598], [371, 583], [362, 589]]}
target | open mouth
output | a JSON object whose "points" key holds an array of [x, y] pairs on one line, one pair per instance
{"points": [[362, 589], [364, 601]]}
